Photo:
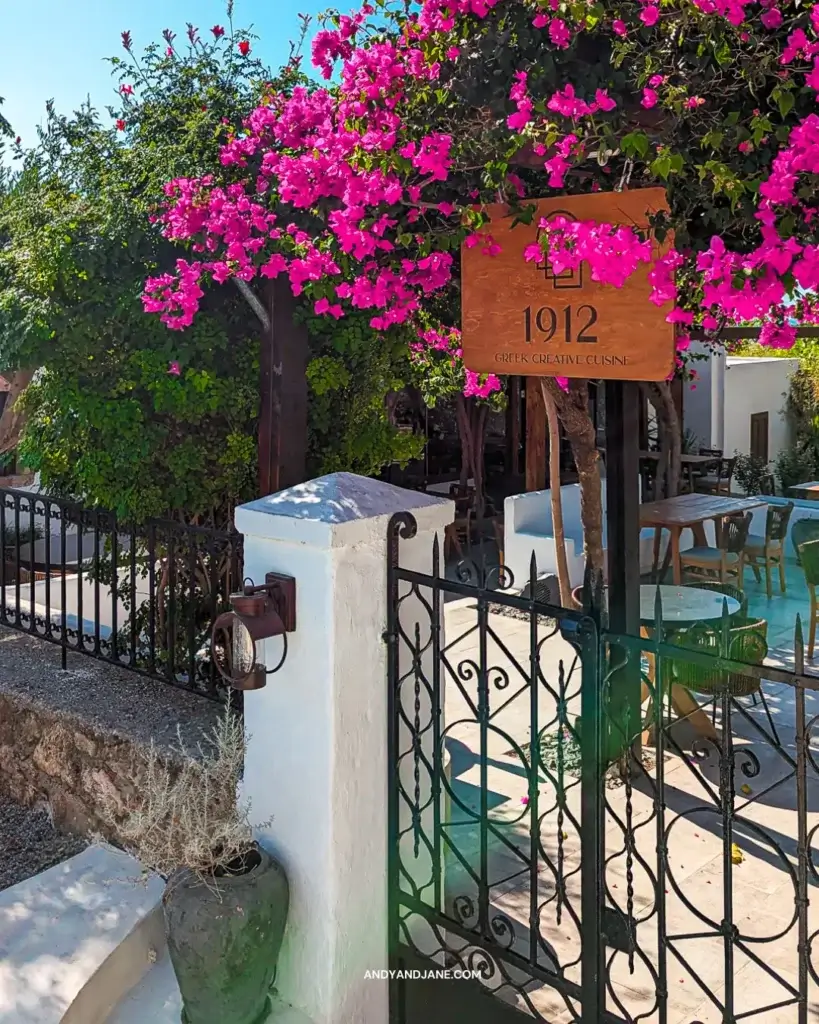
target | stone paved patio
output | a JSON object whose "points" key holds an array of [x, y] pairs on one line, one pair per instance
{"points": [[762, 964]]}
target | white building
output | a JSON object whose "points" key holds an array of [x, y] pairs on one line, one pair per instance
{"points": [[739, 403]]}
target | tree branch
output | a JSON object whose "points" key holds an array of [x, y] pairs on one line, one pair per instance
{"points": [[253, 301]]}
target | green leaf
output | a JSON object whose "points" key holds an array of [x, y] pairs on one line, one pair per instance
{"points": [[661, 167], [785, 101], [635, 144]]}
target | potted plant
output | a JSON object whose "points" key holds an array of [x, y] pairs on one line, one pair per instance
{"points": [[226, 899]]}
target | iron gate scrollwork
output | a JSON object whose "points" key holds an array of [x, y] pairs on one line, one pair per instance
{"points": [[577, 873], [461, 868]]}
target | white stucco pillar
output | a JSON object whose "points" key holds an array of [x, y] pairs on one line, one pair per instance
{"points": [[316, 762]]}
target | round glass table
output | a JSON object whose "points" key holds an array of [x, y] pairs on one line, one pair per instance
{"points": [[683, 605]]}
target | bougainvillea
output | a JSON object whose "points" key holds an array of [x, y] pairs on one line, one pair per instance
{"points": [[360, 192]]}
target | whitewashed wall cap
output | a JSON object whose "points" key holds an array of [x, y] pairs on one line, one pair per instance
{"points": [[338, 509]]}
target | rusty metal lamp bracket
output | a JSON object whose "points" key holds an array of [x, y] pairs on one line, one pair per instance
{"points": [[260, 611]]}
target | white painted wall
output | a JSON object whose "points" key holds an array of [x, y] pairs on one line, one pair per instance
{"points": [[697, 399], [528, 529], [751, 386]]}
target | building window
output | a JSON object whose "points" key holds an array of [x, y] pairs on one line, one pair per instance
{"points": [[759, 436]]}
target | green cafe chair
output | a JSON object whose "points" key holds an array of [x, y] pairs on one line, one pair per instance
{"points": [[809, 557], [747, 641]]}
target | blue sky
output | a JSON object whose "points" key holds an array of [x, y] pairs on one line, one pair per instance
{"points": [[55, 48]]}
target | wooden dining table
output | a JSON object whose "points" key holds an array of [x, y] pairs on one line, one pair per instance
{"points": [[685, 460], [810, 490], [689, 464], [689, 512]]}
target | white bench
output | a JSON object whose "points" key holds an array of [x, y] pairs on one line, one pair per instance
{"points": [[528, 529]]}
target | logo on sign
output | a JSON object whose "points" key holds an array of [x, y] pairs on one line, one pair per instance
{"points": [[566, 279], [569, 324]]}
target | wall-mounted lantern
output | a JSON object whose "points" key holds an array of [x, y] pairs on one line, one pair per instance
{"points": [[258, 613]]}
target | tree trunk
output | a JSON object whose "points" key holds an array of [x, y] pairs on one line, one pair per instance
{"points": [[556, 496], [471, 417], [465, 435], [573, 409], [13, 419], [283, 394]]}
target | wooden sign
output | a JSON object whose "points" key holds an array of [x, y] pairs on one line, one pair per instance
{"points": [[520, 317]]}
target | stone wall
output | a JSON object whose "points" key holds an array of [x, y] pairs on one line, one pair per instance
{"points": [[75, 741]]}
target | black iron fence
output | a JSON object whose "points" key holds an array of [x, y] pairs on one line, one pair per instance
{"points": [[142, 597], [602, 828]]}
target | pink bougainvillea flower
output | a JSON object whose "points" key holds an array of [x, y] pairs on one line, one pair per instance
{"points": [[120, 125], [126, 90], [244, 47], [603, 100], [169, 52], [619, 27], [560, 33], [541, 20], [453, 53], [174, 369], [649, 99], [656, 80], [218, 31], [650, 15], [693, 102], [772, 19], [746, 146], [525, 801]]}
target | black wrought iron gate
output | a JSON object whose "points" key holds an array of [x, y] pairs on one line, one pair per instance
{"points": [[538, 851]]}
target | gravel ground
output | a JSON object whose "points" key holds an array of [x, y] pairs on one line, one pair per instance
{"points": [[29, 843], [111, 698]]}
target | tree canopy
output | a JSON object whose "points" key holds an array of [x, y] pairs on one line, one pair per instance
{"points": [[121, 413], [443, 106]]}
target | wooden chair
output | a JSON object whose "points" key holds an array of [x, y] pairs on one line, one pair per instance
{"points": [[771, 547], [727, 560], [718, 482], [459, 533], [809, 557], [687, 479]]}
